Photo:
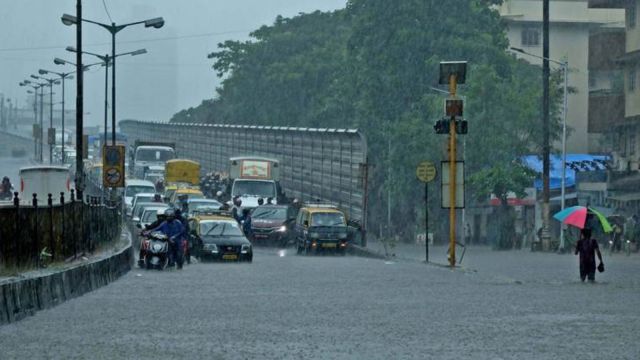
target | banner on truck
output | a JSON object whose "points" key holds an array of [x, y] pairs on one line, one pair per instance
{"points": [[253, 169]]}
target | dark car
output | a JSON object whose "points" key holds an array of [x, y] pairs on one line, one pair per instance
{"points": [[220, 238], [272, 225], [321, 228]]}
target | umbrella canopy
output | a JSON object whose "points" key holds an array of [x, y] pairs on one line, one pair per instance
{"points": [[578, 215]]}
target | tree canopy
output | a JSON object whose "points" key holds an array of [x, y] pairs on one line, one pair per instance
{"points": [[373, 65]]}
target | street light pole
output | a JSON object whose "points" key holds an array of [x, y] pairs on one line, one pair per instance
{"points": [[63, 76], [565, 71], [106, 96], [113, 29]]}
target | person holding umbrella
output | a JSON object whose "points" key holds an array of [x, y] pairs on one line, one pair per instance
{"points": [[587, 248], [585, 218]]}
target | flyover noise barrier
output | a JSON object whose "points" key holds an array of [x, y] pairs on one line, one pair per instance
{"points": [[329, 165]]}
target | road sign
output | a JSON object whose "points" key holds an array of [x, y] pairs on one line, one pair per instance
{"points": [[113, 166], [454, 107], [426, 171], [446, 184]]}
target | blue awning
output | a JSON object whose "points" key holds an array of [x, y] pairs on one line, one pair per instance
{"points": [[575, 162]]}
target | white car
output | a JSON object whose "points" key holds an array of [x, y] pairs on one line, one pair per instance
{"points": [[140, 197], [133, 187]]}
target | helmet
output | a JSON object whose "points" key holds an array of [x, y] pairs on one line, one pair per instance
{"points": [[170, 214]]}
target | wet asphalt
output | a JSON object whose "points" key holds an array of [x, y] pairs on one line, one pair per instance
{"points": [[499, 305]]}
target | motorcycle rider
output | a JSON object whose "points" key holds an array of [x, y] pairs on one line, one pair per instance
{"points": [[236, 211], [174, 230], [186, 240], [160, 218]]}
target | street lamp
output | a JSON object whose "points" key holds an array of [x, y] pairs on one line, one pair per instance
{"points": [[63, 76], [35, 114], [51, 82], [565, 70], [113, 29], [107, 61]]}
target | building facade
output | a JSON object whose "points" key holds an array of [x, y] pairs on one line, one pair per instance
{"points": [[571, 24]]}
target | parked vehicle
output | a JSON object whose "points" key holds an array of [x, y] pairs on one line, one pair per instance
{"points": [[218, 237], [43, 180], [320, 228], [201, 203], [272, 225], [154, 251], [253, 178], [150, 153]]}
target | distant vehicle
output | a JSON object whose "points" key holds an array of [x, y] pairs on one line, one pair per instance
{"points": [[254, 178], [320, 228], [136, 213], [195, 204], [148, 153], [132, 187], [43, 180], [154, 173], [149, 215], [182, 171], [219, 238], [140, 197], [272, 225], [184, 194]]}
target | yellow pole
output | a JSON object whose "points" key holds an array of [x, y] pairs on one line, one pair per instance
{"points": [[452, 177]]}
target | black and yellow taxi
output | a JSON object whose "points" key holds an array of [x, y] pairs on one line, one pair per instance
{"points": [[217, 236], [321, 227]]}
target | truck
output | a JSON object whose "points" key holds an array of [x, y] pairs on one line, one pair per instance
{"points": [[182, 171], [42, 181], [253, 177], [150, 153]]}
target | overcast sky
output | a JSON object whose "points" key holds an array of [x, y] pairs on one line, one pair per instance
{"points": [[173, 75]]}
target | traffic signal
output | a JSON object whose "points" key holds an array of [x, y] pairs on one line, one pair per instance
{"points": [[442, 126], [461, 127]]}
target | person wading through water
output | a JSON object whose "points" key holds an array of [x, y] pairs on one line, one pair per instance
{"points": [[587, 248]]}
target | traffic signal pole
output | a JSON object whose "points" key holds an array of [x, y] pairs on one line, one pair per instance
{"points": [[452, 176]]}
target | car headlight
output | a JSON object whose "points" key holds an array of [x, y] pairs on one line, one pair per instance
{"points": [[210, 247], [282, 228], [245, 248], [314, 235]]}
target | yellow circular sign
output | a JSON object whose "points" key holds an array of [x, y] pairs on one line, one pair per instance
{"points": [[426, 171]]}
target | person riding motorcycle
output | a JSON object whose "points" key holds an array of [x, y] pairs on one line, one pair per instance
{"points": [[174, 230], [186, 238]]}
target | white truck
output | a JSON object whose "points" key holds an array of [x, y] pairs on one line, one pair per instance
{"points": [[253, 178], [148, 154], [42, 181]]}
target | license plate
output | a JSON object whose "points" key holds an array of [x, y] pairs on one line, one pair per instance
{"points": [[230, 257], [329, 245]]}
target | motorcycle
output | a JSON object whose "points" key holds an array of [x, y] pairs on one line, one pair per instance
{"points": [[154, 251]]}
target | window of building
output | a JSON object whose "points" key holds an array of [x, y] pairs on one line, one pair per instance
{"points": [[632, 79], [632, 143], [530, 37], [631, 15]]}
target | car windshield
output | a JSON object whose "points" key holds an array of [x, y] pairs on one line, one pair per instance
{"points": [[154, 155], [264, 189], [220, 228], [204, 204], [269, 213], [140, 199], [136, 189], [149, 216], [327, 219]]}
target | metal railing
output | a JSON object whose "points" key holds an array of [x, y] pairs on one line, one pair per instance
{"points": [[52, 230], [329, 165]]}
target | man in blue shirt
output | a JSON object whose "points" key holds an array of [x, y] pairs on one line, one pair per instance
{"points": [[174, 230]]}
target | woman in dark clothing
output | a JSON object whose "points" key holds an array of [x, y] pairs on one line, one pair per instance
{"points": [[588, 248]]}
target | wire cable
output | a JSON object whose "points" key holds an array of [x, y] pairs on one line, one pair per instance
{"points": [[107, 10]]}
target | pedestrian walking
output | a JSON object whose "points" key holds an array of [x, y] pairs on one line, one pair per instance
{"points": [[587, 248]]}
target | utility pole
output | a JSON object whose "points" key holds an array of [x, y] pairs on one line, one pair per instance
{"points": [[545, 126], [79, 106]]}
